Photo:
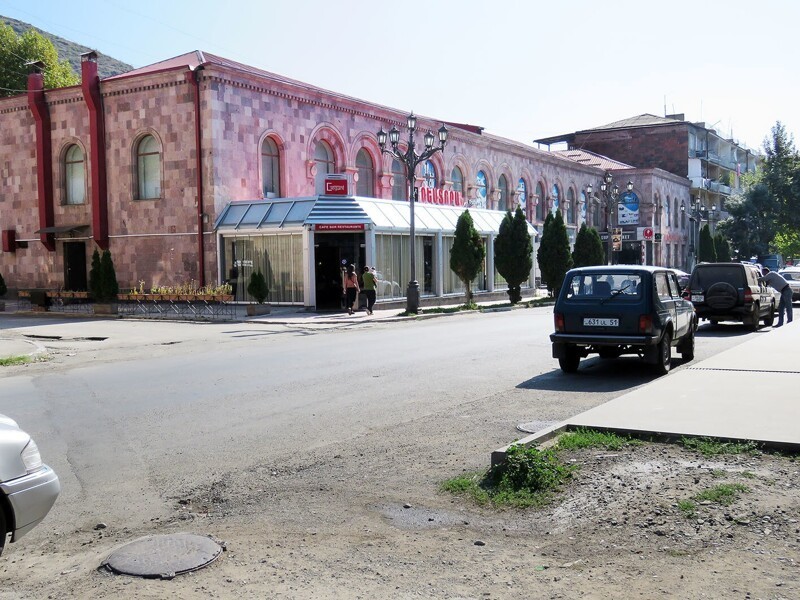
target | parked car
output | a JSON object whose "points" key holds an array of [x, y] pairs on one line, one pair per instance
{"points": [[731, 292], [792, 276], [28, 487], [683, 277], [626, 309]]}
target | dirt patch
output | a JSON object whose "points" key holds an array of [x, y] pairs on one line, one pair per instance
{"points": [[367, 525]]}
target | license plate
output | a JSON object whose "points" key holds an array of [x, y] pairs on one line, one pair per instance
{"points": [[697, 297], [592, 322]]}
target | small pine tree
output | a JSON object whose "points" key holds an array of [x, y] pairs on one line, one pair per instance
{"points": [[109, 286], [257, 287], [705, 250], [554, 256], [95, 278], [588, 248], [3, 288], [466, 257], [513, 253], [722, 247]]}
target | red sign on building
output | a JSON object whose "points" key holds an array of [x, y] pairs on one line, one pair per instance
{"points": [[339, 227], [336, 186], [440, 196]]}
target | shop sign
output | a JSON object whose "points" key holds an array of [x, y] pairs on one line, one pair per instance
{"points": [[336, 186], [440, 196], [644, 233], [628, 209], [339, 227]]}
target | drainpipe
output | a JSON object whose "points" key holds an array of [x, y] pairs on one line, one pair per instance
{"points": [[90, 84], [44, 152], [194, 80]]}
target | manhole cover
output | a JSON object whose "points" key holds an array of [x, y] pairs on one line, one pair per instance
{"points": [[534, 426], [163, 556]]}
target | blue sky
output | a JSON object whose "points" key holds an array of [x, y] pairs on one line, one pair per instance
{"points": [[523, 69]]}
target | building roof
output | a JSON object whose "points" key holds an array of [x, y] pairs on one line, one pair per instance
{"points": [[591, 159], [643, 120]]}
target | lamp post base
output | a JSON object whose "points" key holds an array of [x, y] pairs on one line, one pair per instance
{"points": [[412, 297]]}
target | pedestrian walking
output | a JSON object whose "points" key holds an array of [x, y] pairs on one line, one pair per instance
{"points": [[350, 288], [777, 281], [368, 277]]}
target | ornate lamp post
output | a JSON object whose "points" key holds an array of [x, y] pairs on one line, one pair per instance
{"points": [[411, 160], [610, 193], [697, 214]]}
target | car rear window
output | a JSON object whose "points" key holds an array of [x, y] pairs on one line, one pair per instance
{"points": [[597, 285], [705, 277]]}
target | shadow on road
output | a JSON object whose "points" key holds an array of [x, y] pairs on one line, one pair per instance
{"points": [[727, 330], [596, 375]]}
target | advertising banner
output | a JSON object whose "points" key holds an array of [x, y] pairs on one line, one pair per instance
{"points": [[628, 209]]}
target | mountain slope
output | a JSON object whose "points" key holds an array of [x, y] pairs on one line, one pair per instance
{"points": [[106, 66]]}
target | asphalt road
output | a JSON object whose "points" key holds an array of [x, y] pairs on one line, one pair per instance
{"points": [[128, 423]]}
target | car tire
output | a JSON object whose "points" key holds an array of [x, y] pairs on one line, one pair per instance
{"points": [[664, 354], [3, 531], [570, 361], [770, 318], [752, 325], [686, 347]]}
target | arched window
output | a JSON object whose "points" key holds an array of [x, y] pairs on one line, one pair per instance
{"points": [[148, 168], [270, 168], [571, 206], [657, 211], [366, 174], [683, 219], [540, 202], [480, 196], [458, 180], [676, 213], [584, 208], [323, 158], [75, 179], [555, 196], [596, 210], [522, 195], [502, 186], [429, 174], [668, 212], [399, 187]]}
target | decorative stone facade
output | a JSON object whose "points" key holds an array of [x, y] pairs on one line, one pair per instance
{"points": [[156, 240]]}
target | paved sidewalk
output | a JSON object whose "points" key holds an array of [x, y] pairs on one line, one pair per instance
{"points": [[749, 392]]}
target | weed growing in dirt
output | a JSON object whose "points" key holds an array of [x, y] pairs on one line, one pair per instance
{"points": [[724, 494], [14, 360], [712, 447], [748, 475], [687, 507], [590, 438], [526, 478]]}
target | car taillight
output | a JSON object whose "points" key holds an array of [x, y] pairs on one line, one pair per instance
{"points": [[645, 324], [748, 295], [559, 322]]}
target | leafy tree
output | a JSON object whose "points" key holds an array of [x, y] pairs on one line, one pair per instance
{"points": [[753, 220], [16, 51], [786, 241], [553, 255], [466, 257], [722, 247], [781, 170], [95, 277], [588, 248], [109, 288], [513, 253], [3, 288], [706, 251], [257, 287]]}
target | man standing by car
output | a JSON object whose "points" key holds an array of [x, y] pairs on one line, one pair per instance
{"points": [[777, 281]]}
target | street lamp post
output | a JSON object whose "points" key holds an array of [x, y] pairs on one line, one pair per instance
{"points": [[697, 213], [610, 192], [411, 160]]}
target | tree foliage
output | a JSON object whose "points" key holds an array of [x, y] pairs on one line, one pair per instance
{"points": [[706, 251], [466, 257], [95, 276], [752, 223], [781, 174], [588, 248], [18, 50], [257, 287], [722, 247], [103, 286], [513, 253], [553, 255], [787, 242]]}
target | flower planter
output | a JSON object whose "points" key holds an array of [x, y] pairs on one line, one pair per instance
{"points": [[255, 310]]}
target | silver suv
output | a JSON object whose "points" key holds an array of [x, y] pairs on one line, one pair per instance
{"points": [[731, 292]]}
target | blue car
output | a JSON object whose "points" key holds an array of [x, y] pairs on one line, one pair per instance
{"points": [[622, 310]]}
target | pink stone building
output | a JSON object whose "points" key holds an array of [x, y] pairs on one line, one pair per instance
{"points": [[201, 169]]}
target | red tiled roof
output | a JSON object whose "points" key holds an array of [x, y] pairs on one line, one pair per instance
{"points": [[591, 159]]}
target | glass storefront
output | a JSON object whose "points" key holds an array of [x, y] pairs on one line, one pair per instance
{"points": [[392, 262], [278, 257], [452, 284]]}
